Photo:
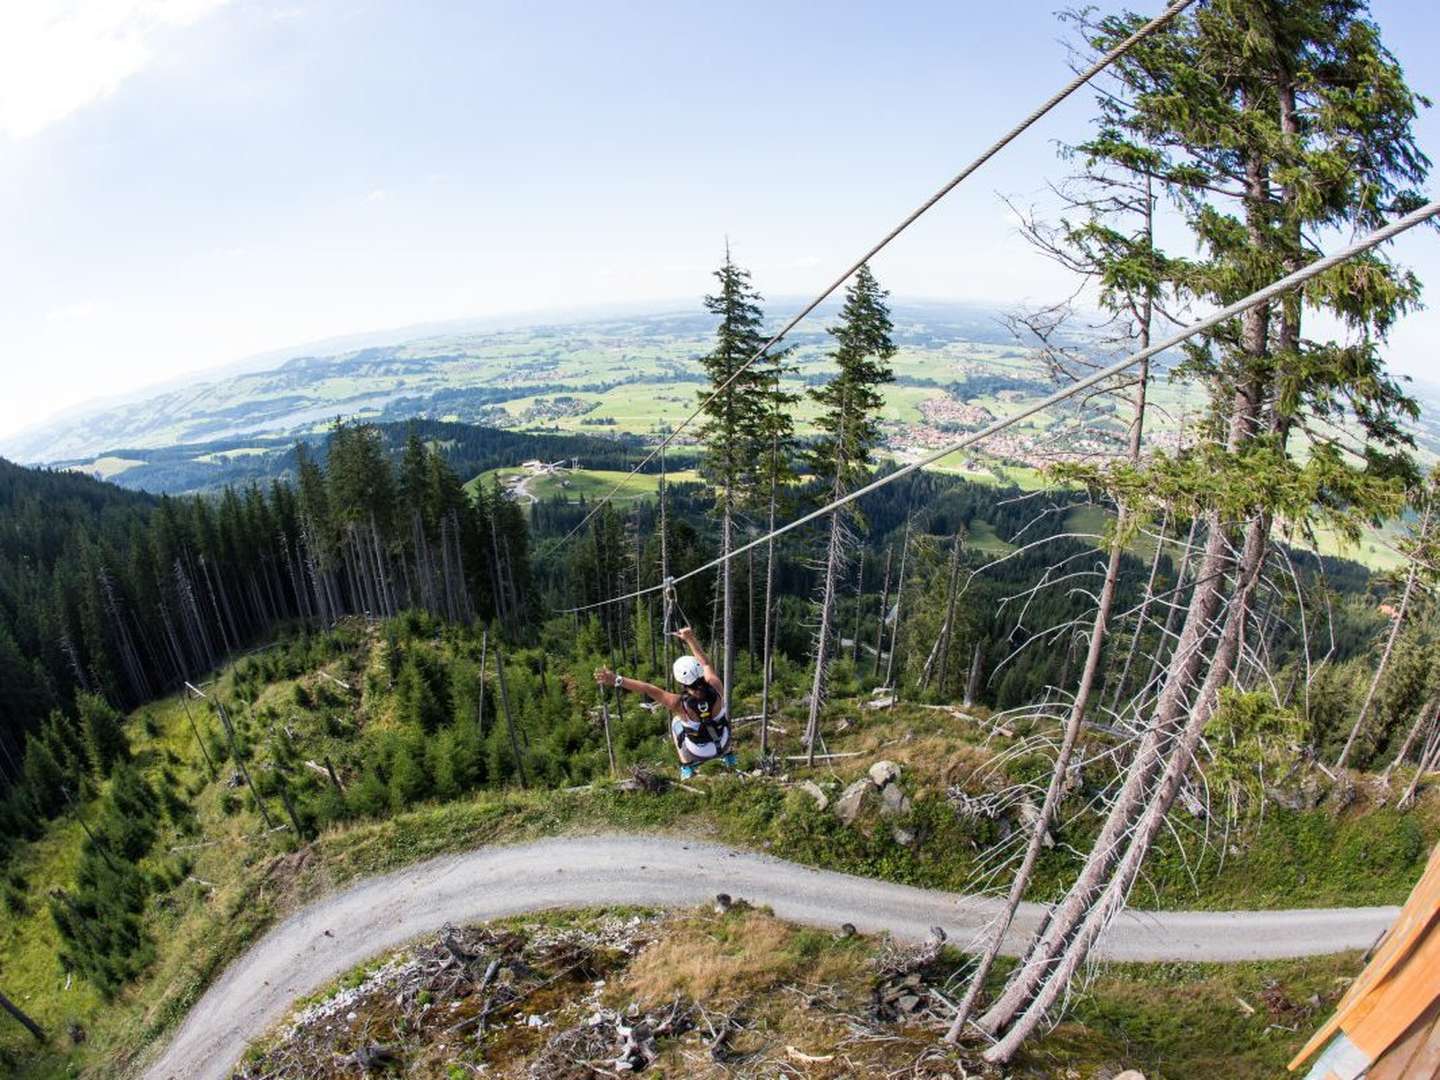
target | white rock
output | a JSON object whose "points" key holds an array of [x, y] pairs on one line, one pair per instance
{"points": [[894, 801], [852, 801], [1130, 1074], [813, 790], [884, 772]]}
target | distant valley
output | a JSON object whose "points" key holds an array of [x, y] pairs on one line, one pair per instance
{"points": [[621, 380]]}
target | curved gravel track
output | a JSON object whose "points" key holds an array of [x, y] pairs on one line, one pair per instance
{"points": [[297, 956]]}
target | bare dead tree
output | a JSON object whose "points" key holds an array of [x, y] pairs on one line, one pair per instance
{"points": [[884, 613], [1428, 714], [509, 715], [1397, 623]]}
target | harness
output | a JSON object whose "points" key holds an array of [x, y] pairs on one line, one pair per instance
{"points": [[705, 718]]}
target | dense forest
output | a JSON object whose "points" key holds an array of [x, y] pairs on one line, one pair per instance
{"points": [[469, 449]]}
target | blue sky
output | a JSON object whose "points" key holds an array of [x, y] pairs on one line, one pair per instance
{"points": [[184, 183]]}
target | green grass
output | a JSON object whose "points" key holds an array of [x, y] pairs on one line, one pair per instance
{"points": [[589, 483], [983, 537]]}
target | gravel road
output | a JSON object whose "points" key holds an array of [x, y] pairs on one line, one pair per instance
{"points": [[337, 932]]}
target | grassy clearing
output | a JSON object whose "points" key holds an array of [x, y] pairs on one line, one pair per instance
{"points": [[586, 483], [107, 468]]}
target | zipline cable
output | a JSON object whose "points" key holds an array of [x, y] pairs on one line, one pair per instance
{"points": [[1269, 292], [1074, 84]]}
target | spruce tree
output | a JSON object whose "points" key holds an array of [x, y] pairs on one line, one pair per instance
{"points": [[733, 430], [102, 729], [849, 434]]}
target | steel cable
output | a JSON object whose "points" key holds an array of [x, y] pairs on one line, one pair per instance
{"points": [[1261, 296], [1074, 84]]}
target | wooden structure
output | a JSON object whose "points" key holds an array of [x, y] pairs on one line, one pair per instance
{"points": [[1387, 1026]]}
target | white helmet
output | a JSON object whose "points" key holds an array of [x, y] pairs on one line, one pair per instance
{"points": [[688, 671]]}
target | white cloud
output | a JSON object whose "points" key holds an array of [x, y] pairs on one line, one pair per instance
{"points": [[58, 56]]}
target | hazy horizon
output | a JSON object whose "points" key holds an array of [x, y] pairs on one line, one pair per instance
{"points": [[190, 183]]}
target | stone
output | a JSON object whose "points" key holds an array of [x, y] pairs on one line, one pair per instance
{"points": [[908, 1003], [852, 801], [903, 837], [884, 772], [1030, 817], [1130, 1074], [893, 801], [813, 790]]}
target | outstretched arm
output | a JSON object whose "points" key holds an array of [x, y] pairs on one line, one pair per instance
{"points": [[606, 677]]}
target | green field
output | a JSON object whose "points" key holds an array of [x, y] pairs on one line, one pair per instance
{"points": [[587, 483]]}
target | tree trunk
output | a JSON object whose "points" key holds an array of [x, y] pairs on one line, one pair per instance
{"points": [[947, 632], [884, 610], [1427, 712], [239, 764], [859, 611], [210, 764], [727, 605], [1429, 759], [605, 720], [1054, 794], [1176, 767], [899, 614], [1395, 627], [768, 665], [1140, 617], [750, 606], [822, 644], [30, 1025], [1066, 916], [289, 806], [509, 716], [480, 689]]}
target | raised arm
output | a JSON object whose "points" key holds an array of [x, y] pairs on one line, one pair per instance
{"points": [[687, 635], [606, 677]]}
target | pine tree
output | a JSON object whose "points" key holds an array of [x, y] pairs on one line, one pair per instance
{"points": [[103, 732], [733, 430], [849, 434]]}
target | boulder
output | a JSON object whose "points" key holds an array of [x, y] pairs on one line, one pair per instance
{"points": [[852, 801], [884, 772], [813, 790], [894, 801]]}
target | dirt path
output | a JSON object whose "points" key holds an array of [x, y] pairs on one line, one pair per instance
{"points": [[336, 933]]}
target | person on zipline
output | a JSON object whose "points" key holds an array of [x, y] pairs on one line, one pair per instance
{"points": [[699, 727]]}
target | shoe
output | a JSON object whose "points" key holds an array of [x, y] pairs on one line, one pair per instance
{"points": [[687, 772], [728, 760]]}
